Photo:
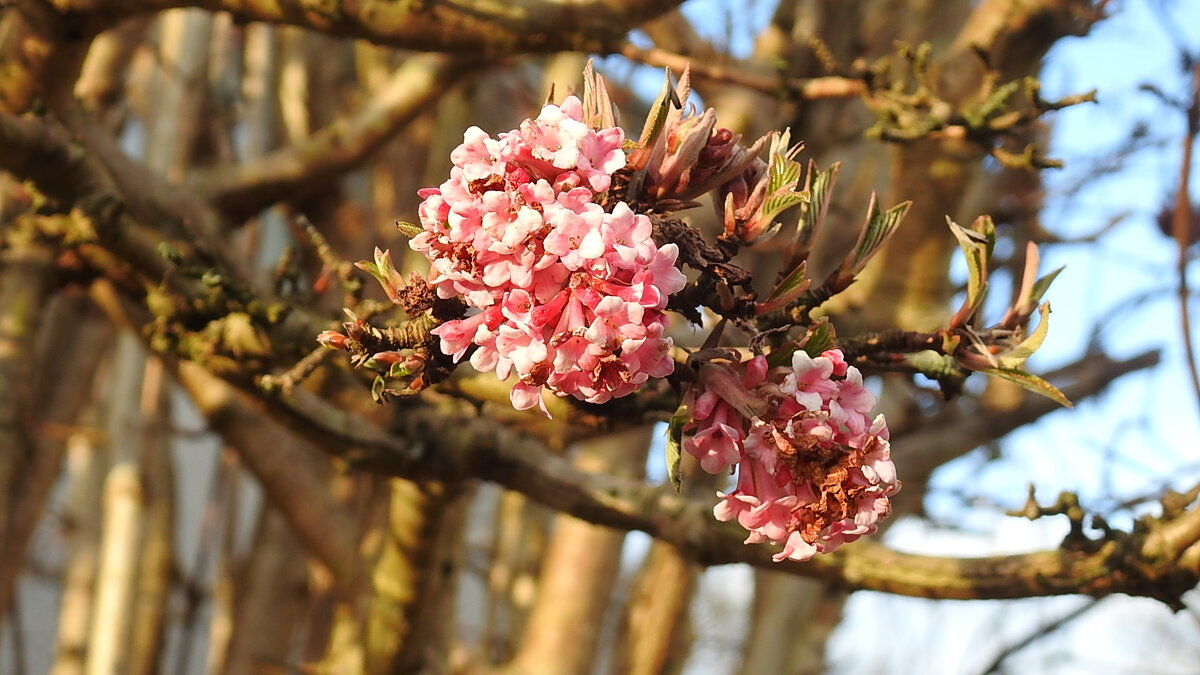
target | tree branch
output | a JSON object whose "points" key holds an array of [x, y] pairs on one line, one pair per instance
{"points": [[242, 190], [444, 442], [921, 452], [1181, 225], [808, 88], [466, 26]]}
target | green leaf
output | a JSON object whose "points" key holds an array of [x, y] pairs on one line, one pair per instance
{"points": [[682, 415], [379, 389], [384, 272], [774, 205], [409, 230], [1018, 355], [788, 289], [976, 245], [783, 172], [781, 356], [659, 110], [819, 188], [819, 338], [878, 227], [1042, 285], [1032, 383]]}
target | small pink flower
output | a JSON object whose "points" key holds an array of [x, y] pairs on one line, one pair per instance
{"points": [[524, 397], [717, 447], [479, 155]]}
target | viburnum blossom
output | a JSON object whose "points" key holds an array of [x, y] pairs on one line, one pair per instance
{"points": [[814, 470], [570, 295]]}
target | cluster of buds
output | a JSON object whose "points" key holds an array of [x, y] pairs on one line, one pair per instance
{"points": [[814, 470], [682, 155], [397, 355], [570, 295]]}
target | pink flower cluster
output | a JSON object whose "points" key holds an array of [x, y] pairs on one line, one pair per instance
{"points": [[571, 296], [814, 470]]}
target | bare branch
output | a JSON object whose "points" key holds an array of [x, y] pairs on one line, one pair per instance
{"points": [[802, 88], [1181, 226], [474, 26], [244, 189], [1040, 632]]}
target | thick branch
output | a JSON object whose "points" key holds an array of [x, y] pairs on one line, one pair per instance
{"points": [[1014, 34], [449, 443], [467, 26]]}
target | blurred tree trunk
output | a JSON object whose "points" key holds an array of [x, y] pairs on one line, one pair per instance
{"points": [[790, 622], [111, 631], [156, 565], [578, 571], [86, 460], [655, 635], [519, 539], [25, 285], [413, 575], [271, 589]]}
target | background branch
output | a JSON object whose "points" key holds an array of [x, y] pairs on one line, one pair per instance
{"points": [[243, 189], [469, 26]]}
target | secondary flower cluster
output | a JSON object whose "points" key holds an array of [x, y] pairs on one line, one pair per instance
{"points": [[814, 470], [571, 295]]}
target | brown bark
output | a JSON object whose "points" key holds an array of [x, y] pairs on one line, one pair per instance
{"points": [[655, 636], [25, 284], [86, 461], [271, 591], [578, 572], [467, 26], [292, 472]]}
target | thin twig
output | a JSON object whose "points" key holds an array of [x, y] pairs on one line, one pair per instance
{"points": [[1181, 226], [804, 88], [1037, 634], [297, 373]]}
